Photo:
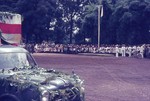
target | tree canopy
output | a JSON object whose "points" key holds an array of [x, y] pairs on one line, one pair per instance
{"points": [[72, 21]]}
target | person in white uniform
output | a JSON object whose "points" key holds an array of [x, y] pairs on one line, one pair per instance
{"points": [[141, 49], [123, 49], [117, 51]]}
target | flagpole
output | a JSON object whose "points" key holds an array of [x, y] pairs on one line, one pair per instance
{"points": [[98, 26], [100, 14]]}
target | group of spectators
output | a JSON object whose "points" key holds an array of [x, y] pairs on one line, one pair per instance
{"points": [[139, 51]]}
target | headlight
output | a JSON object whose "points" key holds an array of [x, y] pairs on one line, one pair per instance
{"points": [[82, 90], [45, 95]]}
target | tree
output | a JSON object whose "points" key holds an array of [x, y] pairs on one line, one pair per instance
{"points": [[62, 21], [8, 5], [89, 24], [132, 24], [71, 14], [128, 23], [90, 21], [37, 15]]}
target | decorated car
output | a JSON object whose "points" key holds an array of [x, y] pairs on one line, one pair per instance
{"points": [[21, 79]]}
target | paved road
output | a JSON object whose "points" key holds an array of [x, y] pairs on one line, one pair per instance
{"points": [[106, 78]]}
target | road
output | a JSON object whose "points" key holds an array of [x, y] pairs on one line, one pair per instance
{"points": [[106, 78]]}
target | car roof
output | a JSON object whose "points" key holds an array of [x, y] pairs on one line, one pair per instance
{"points": [[12, 49]]}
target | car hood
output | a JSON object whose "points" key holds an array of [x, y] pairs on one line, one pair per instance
{"points": [[46, 78]]}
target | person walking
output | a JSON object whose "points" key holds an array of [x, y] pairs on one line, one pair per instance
{"points": [[130, 51], [117, 51], [123, 49], [141, 49]]}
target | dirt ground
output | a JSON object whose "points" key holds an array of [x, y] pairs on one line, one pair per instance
{"points": [[106, 78]]}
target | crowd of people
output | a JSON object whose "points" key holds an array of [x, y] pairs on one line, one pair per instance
{"points": [[139, 51]]}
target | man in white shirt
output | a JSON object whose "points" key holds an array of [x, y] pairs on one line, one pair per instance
{"points": [[123, 49], [117, 51], [141, 49]]}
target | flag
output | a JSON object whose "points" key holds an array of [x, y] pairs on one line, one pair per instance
{"points": [[101, 11], [10, 26], [0, 36]]}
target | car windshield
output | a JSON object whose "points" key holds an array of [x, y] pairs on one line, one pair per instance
{"points": [[19, 60]]}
